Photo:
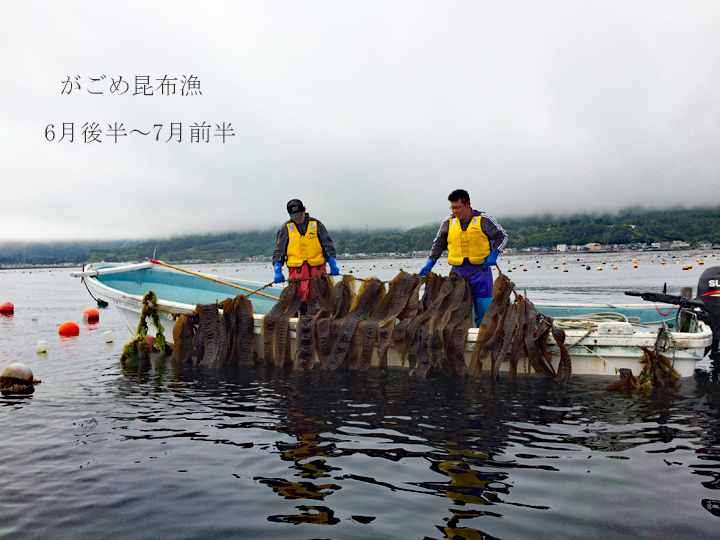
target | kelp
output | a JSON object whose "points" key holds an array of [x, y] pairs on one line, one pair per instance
{"points": [[183, 337], [344, 329], [306, 337], [289, 297], [513, 330], [216, 340], [239, 325], [211, 336], [367, 298], [376, 330], [657, 372], [138, 347]]}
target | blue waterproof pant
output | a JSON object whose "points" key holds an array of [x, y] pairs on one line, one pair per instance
{"points": [[481, 285]]}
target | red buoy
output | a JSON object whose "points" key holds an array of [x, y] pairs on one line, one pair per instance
{"points": [[7, 307], [91, 314], [69, 329]]}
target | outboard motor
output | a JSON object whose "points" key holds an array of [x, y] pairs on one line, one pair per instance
{"points": [[709, 292]]}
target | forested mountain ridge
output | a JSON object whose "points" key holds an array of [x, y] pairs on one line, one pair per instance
{"points": [[630, 227]]}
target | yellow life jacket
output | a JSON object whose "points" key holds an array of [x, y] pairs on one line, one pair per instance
{"points": [[471, 244], [305, 247]]}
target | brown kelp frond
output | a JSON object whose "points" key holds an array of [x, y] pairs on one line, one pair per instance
{"points": [[513, 330], [269, 322], [343, 329], [183, 334], [346, 328], [216, 339], [305, 352]]}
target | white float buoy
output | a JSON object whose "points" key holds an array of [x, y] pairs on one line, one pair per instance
{"points": [[17, 379], [33, 317], [41, 346], [108, 337]]}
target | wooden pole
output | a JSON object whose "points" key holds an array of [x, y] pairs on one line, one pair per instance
{"points": [[212, 279]]}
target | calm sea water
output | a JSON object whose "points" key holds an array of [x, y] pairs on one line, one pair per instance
{"points": [[102, 450]]}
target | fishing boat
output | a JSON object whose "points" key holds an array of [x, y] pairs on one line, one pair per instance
{"points": [[601, 338]]}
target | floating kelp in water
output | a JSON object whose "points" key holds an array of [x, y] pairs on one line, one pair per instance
{"points": [[138, 347], [657, 372]]}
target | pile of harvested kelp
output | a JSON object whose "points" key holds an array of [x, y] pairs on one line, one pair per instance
{"points": [[345, 328]]}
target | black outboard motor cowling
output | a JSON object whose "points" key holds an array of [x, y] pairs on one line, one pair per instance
{"points": [[709, 292]]}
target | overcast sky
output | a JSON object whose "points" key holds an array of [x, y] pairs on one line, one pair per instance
{"points": [[370, 112]]}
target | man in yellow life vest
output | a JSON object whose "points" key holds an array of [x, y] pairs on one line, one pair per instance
{"points": [[473, 240], [304, 244]]}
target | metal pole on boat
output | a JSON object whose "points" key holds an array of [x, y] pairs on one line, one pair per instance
{"points": [[212, 279]]}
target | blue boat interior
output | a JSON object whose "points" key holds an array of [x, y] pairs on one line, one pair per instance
{"points": [[183, 288], [643, 316]]}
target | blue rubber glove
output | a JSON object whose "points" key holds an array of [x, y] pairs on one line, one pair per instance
{"points": [[279, 278], [491, 260], [334, 270], [425, 270]]}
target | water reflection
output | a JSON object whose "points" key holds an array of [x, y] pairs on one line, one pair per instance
{"points": [[479, 446]]}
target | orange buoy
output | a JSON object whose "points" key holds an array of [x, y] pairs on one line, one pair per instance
{"points": [[91, 314], [69, 329], [7, 307]]}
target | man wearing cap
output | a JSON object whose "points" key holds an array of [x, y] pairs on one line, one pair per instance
{"points": [[304, 243], [473, 240]]}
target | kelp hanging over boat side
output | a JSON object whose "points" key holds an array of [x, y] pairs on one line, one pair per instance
{"points": [[368, 296], [345, 329], [213, 339], [340, 299], [138, 347], [184, 338], [211, 336], [239, 324], [319, 307], [376, 330], [511, 330], [274, 320]]}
